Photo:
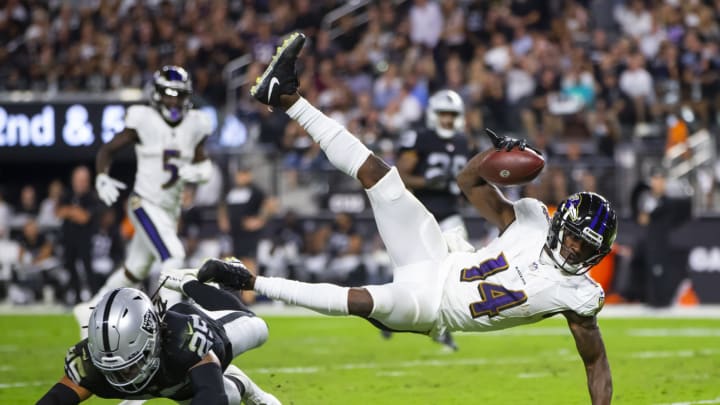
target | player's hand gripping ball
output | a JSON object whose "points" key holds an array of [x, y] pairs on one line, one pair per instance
{"points": [[511, 162]]}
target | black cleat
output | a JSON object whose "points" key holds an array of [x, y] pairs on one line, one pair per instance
{"points": [[230, 273], [280, 77]]}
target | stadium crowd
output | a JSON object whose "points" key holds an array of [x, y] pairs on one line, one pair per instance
{"points": [[576, 78]]}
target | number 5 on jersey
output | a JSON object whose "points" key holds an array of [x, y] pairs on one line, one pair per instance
{"points": [[495, 297]]}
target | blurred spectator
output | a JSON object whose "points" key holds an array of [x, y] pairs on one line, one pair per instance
{"points": [[37, 253], [344, 248], [279, 253], [243, 214], [28, 207], [426, 23], [661, 209], [634, 18], [637, 84], [47, 217], [5, 212], [77, 210], [108, 249]]}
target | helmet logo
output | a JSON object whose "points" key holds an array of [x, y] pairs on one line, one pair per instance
{"points": [[148, 324], [504, 173], [571, 206]]}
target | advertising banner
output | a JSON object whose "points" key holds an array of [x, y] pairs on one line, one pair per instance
{"points": [[36, 131]]}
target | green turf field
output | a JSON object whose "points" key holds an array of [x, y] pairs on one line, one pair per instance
{"points": [[322, 360]]}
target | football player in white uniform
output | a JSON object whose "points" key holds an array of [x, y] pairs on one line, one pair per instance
{"points": [[534, 269], [169, 140]]}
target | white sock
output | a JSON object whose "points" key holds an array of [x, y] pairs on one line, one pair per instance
{"points": [[327, 299], [342, 148]]}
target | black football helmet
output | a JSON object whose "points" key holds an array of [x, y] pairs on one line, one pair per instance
{"points": [[174, 82], [587, 217]]}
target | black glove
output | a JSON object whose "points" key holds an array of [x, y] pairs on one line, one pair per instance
{"points": [[438, 182], [230, 273], [507, 143]]}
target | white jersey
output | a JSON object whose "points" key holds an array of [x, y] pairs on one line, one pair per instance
{"points": [[162, 149], [511, 281]]}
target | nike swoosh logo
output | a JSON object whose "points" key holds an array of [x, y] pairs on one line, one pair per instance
{"points": [[274, 81]]}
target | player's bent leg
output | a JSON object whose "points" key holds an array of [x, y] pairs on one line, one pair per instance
{"points": [[410, 232], [372, 171], [245, 331], [403, 307], [343, 149]]}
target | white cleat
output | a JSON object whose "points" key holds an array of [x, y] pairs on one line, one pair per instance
{"points": [[175, 279], [253, 395]]}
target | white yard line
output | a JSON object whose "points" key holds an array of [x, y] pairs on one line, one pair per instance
{"points": [[472, 362], [23, 384], [700, 402], [681, 332]]}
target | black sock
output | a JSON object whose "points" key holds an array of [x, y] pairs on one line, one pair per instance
{"points": [[213, 299]]}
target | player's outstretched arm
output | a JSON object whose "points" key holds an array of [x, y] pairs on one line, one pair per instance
{"points": [[590, 345], [485, 197], [65, 392], [206, 378]]}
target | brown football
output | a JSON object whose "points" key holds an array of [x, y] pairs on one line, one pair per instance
{"points": [[510, 168]]}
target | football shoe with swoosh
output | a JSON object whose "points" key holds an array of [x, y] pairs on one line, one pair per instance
{"points": [[280, 77]]}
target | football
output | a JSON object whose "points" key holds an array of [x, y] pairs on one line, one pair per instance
{"points": [[509, 168]]}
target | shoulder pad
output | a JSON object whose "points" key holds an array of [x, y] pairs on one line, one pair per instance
{"points": [[135, 114]]}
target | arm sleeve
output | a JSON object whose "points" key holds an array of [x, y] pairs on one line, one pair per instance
{"points": [[207, 385], [59, 394], [593, 299]]}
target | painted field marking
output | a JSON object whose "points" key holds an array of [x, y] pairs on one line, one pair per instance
{"points": [[477, 361], [668, 332], [700, 402]]}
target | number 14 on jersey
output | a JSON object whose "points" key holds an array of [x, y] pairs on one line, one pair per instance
{"points": [[495, 297]]}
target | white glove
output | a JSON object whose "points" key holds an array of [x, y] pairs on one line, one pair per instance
{"points": [[197, 172], [108, 188], [175, 279]]}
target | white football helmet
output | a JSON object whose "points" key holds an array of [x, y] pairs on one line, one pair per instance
{"points": [[445, 101], [172, 81], [124, 339]]}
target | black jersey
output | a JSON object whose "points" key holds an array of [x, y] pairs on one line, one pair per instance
{"points": [[437, 156], [187, 335]]}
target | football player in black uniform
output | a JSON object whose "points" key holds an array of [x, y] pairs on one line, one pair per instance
{"points": [[429, 159], [134, 351]]}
